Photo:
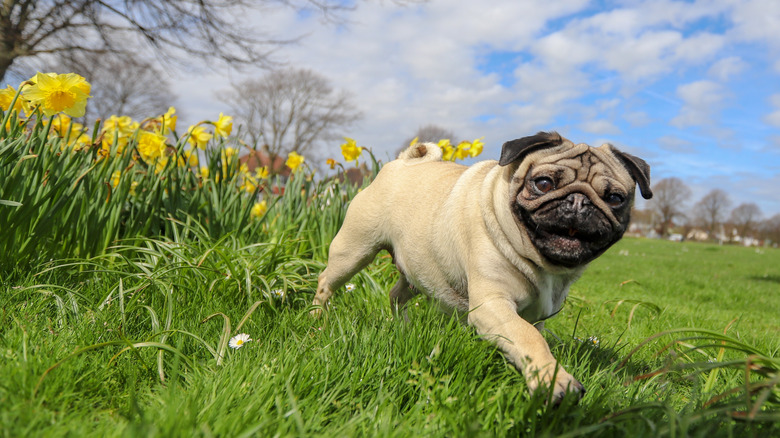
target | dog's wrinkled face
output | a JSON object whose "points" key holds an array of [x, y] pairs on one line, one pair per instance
{"points": [[574, 200]]}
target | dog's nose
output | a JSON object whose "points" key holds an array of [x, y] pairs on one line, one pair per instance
{"points": [[578, 201]]}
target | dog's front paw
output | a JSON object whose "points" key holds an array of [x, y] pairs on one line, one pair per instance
{"points": [[556, 380]]}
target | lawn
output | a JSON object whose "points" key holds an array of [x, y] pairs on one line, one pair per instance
{"points": [[124, 275], [123, 345]]}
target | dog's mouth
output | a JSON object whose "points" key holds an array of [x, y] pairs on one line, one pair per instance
{"points": [[569, 239], [570, 246], [578, 233]]}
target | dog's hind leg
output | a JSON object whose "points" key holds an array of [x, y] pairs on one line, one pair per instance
{"points": [[400, 294], [351, 250]]}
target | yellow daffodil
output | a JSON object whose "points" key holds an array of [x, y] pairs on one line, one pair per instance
{"points": [[331, 162], [204, 172], [83, 141], [187, 159], [7, 96], [164, 123], [476, 147], [198, 136], [115, 179], [262, 172], [294, 160], [168, 121], [108, 143], [351, 150], [462, 150], [62, 126], [124, 125], [447, 150], [133, 185], [249, 184], [223, 126], [121, 128], [191, 158], [55, 93], [160, 163], [170, 118], [228, 154], [259, 209], [78, 142], [151, 145]]}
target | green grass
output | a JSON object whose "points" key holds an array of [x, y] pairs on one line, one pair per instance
{"points": [[82, 347], [116, 311]]}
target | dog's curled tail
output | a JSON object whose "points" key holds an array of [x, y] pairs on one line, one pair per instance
{"points": [[421, 152]]}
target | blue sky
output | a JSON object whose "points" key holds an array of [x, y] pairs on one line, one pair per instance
{"points": [[691, 86]]}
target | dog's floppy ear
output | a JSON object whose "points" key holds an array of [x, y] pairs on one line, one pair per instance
{"points": [[516, 150], [638, 169]]}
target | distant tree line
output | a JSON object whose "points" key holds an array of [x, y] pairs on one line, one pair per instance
{"points": [[713, 217]]}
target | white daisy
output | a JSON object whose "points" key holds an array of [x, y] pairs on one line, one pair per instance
{"points": [[277, 293], [239, 340], [350, 287]]}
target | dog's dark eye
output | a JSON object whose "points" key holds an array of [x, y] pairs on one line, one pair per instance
{"points": [[544, 184], [615, 199]]}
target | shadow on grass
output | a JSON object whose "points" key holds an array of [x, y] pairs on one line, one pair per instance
{"points": [[766, 278]]}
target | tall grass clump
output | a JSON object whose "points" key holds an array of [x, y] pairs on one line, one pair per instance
{"points": [[67, 194], [67, 201]]}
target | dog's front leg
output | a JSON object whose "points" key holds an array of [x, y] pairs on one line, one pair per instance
{"points": [[495, 317]]}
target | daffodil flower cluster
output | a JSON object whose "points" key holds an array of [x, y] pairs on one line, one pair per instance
{"points": [[153, 141], [463, 150]]}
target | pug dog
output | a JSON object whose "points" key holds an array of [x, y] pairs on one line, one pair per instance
{"points": [[500, 241]]}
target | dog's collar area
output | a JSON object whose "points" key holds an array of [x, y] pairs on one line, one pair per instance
{"points": [[550, 315]]}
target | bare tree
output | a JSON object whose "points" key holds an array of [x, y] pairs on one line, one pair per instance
{"points": [[770, 229], [125, 86], [746, 217], [290, 110], [669, 197], [711, 210], [431, 133], [172, 29]]}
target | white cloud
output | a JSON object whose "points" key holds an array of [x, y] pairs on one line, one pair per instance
{"points": [[635, 71], [757, 20], [637, 118], [599, 127], [701, 102], [607, 104], [676, 144], [773, 118], [698, 48], [726, 68]]}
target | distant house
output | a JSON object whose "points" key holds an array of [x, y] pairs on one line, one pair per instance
{"points": [[355, 175], [259, 158], [276, 168], [698, 235]]}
